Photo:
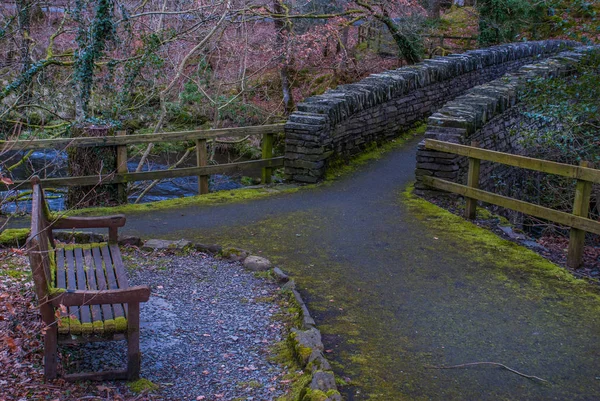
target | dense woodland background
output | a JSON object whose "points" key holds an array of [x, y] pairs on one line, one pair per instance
{"points": [[156, 64], [149, 66]]}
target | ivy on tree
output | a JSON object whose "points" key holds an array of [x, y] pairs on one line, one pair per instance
{"points": [[91, 44]]}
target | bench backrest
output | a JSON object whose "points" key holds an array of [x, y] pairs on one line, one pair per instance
{"points": [[40, 250]]}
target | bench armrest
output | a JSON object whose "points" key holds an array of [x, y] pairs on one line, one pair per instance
{"points": [[89, 297], [117, 220]]}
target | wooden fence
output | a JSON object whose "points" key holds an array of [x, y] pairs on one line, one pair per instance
{"points": [[120, 141], [578, 220]]}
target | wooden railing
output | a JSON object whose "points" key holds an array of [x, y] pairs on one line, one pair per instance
{"points": [[120, 141], [578, 220]]}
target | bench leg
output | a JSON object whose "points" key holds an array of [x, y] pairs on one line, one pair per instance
{"points": [[50, 350], [133, 341]]}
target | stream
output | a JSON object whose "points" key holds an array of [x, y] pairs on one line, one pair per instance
{"points": [[52, 163]]}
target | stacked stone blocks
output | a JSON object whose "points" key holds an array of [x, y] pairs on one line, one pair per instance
{"points": [[342, 121], [490, 115]]}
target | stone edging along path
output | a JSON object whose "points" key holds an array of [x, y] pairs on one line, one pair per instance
{"points": [[304, 340]]}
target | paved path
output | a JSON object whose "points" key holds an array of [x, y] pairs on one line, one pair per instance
{"points": [[392, 300]]}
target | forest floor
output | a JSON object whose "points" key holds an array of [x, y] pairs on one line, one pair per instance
{"points": [[208, 333]]}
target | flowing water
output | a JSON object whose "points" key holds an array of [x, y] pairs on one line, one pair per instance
{"points": [[52, 163]]}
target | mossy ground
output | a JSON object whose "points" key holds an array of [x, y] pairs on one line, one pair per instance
{"points": [[214, 198], [505, 254], [13, 237], [9, 267], [142, 385]]}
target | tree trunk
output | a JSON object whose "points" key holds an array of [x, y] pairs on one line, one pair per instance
{"points": [[93, 161], [24, 19], [434, 9], [406, 47], [281, 27]]}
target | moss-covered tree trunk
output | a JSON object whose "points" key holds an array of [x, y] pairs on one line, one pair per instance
{"points": [[94, 161]]}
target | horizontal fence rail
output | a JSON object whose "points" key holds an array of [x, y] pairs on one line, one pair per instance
{"points": [[121, 140], [140, 138], [122, 178], [544, 166], [578, 220]]}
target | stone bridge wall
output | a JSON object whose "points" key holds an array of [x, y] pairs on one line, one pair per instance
{"points": [[341, 122], [490, 115]]}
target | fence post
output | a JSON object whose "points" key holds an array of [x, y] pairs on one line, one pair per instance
{"points": [[581, 207], [267, 153], [122, 168], [473, 182], [201, 161]]}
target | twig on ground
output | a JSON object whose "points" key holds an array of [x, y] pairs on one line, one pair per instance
{"points": [[464, 365]]}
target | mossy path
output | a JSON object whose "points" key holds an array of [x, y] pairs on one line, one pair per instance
{"points": [[398, 286]]}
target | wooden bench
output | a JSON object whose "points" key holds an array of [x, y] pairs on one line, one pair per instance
{"points": [[83, 290]]}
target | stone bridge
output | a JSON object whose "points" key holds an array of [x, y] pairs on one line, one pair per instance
{"points": [[341, 122]]}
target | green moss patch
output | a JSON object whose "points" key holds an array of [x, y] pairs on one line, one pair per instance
{"points": [[491, 248], [142, 386], [70, 247], [214, 198], [72, 325], [13, 237]]}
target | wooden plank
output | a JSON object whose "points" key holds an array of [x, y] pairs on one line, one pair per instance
{"points": [[61, 282], [581, 207], [140, 293], [133, 342], [107, 311], [473, 182], [50, 353], [112, 279], [545, 166], [122, 166], [563, 218], [121, 274], [97, 376], [202, 160], [71, 281], [90, 272], [141, 138], [117, 220], [154, 175], [117, 260], [84, 310], [267, 153], [84, 340]]}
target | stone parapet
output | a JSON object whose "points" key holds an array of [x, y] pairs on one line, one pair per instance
{"points": [[342, 121], [489, 115]]}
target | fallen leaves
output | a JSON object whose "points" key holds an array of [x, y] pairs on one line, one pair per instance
{"points": [[22, 351]]}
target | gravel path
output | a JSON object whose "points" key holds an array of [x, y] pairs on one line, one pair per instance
{"points": [[206, 332]]}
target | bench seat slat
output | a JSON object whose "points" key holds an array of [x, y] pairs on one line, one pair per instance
{"points": [[84, 310], [91, 268], [61, 282], [107, 310], [119, 311], [115, 254], [119, 267], [74, 316], [90, 273]]}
